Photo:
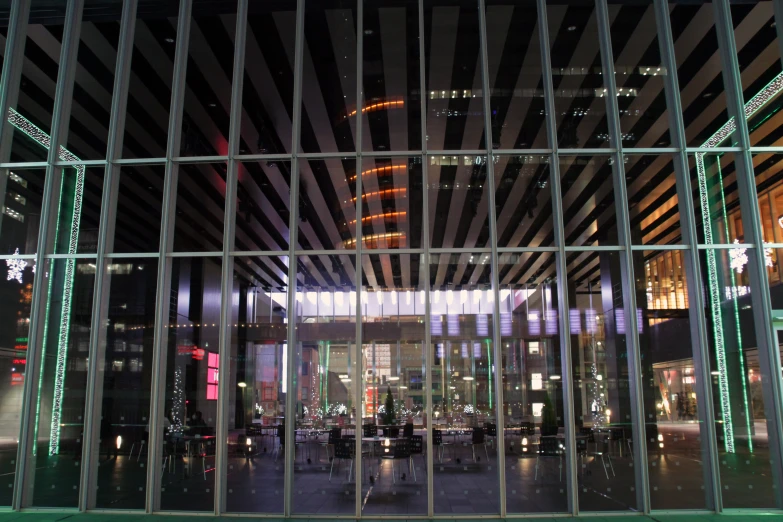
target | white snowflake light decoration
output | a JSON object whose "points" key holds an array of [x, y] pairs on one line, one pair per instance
{"points": [[738, 258], [15, 268]]}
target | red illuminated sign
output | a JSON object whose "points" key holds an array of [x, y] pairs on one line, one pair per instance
{"points": [[17, 379]]}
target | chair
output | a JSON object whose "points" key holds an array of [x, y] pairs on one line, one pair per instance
{"points": [[334, 435], [344, 449], [280, 440], [437, 441], [549, 447], [407, 430], [402, 451], [491, 430], [391, 432], [417, 446], [370, 430], [601, 450], [478, 440]]}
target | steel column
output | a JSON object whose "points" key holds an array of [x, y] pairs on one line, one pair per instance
{"points": [[106, 228], [227, 266], [165, 264], [698, 328], [572, 485]]}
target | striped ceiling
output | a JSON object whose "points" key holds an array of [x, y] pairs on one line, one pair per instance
{"points": [[393, 189]]}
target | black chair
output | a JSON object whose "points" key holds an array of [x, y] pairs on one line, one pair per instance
{"points": [[437, 442], [478, 440], [369, 430], [335, 434], [549, 447], [344, 449], [417, 446], [280, 440], [602, 450], [407, 430], [491, 430], [391, 432], [402, 451]]}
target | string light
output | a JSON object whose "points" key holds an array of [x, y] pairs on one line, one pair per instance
{"points": [[757, 102], [43, 139]]}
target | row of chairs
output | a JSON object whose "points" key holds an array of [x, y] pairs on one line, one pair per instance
{"points": [[404, 448]]}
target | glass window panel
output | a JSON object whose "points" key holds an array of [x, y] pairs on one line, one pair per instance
{"points": [[325, 358], [672, 405], [737, 378], [94, 81], [207, 102], [126, 383], [327, 203], [329, 77], [639, 76], [532, 384], [580, 104], [394, 394], [201, 196], [16, 291], [392, 105], [268, 90], [263, 195], [23, 199], [758, 56], [602, 398], [699, 71], [651, 186], [190, 401], [589, 213], [523, 202], [463, 388], [392, 201], [79, 210], [31, 113], [151, 77], [55, 465], [458, 183], [256, 469], [718, 218], [455, 112], [516, 85], [139, 209]]}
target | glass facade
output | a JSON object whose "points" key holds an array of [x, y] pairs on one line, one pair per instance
{"points": [[374, 258]]}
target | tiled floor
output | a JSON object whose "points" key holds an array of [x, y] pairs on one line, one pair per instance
{"points": [[460, 485]]}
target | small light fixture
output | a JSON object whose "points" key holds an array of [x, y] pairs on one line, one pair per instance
{"points": [[242, 384], [119, 441], [554, 377], [466, 378], [394, 378]]}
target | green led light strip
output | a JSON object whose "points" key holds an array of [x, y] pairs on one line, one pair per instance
{"points": [[43, 139], [771, 90]]}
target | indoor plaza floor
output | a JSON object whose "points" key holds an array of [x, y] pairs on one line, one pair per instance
{"points": [[461, 484]]}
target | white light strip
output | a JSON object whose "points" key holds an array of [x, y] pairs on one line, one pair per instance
{"points": [[772, 89], [43, 139]]}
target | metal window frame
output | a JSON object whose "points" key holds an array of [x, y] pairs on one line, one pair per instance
{"points": [[9, 88]]}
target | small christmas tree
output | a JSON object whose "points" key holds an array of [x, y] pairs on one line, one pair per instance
{"points": [[389, 416]]}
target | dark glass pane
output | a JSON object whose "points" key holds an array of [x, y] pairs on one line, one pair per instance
{"points": [[256, 469], [391, 114], [455, 113], [60, 394]]}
